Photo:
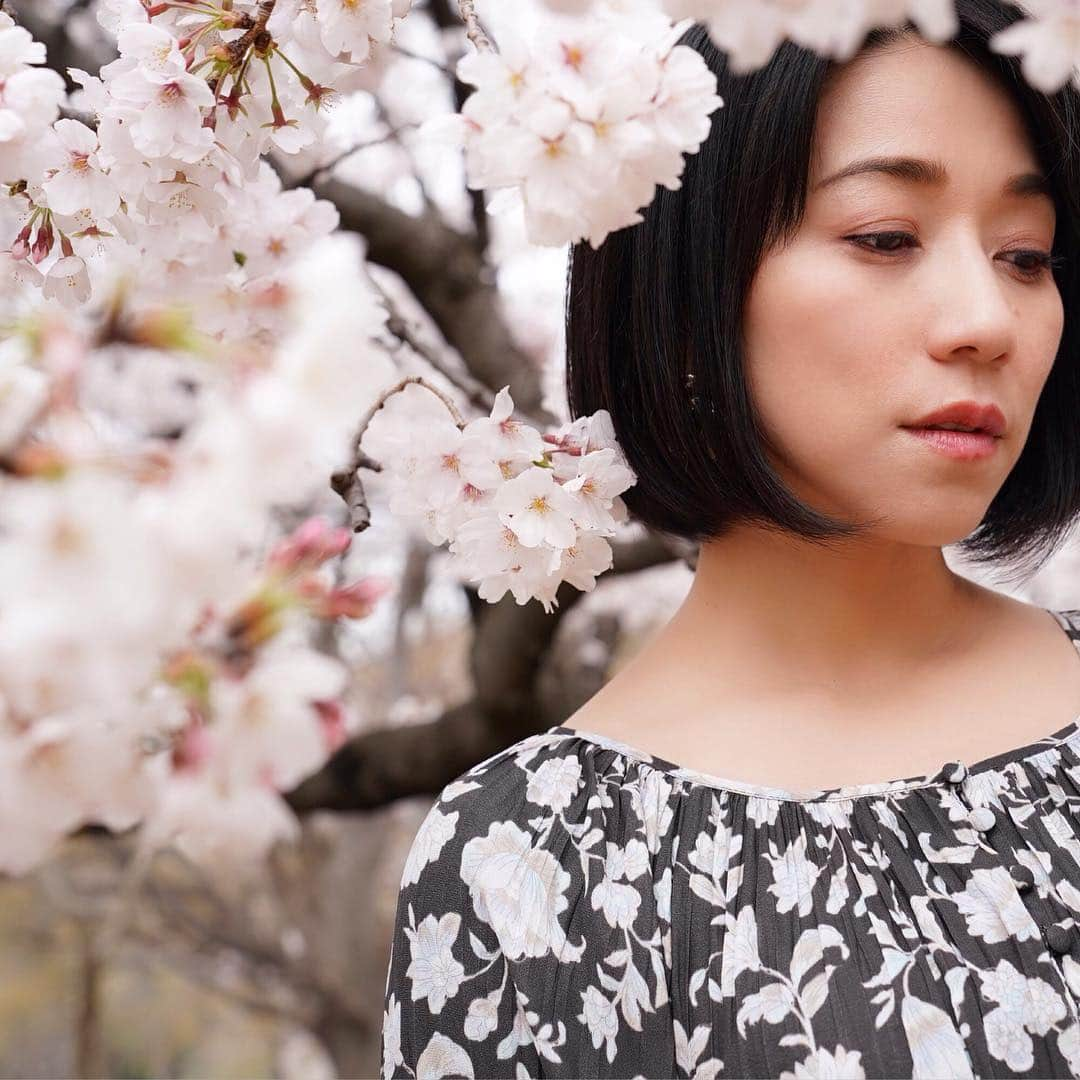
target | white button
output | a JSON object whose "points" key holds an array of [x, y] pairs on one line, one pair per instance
{"points": [[982, 818]]}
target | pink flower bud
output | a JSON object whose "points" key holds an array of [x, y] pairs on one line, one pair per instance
{"points": [[353, 601], [563, 443], [21, 247], [310, 545], [42, 245], [191, 750]]}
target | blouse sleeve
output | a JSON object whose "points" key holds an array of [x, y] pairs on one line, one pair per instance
{"points": [[450, 1008]]}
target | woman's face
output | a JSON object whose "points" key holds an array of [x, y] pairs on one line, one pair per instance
{"points": [[845, 344]]}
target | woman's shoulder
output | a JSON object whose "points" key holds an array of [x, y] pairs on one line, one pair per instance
{"points": [[507, 772], [503, 799], [481, 926]]}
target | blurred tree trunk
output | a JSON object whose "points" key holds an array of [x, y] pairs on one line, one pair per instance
{"points": [[89, 1050]]}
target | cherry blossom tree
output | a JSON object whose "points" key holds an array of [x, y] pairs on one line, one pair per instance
{"points": [[216, 339]]}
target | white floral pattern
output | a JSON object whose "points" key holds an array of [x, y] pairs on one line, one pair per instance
{"points": [[575, 907]]}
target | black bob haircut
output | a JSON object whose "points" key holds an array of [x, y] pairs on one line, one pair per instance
{"points": [[665, 297]]}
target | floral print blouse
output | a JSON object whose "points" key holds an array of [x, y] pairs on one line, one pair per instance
{"points": [[575, 907]]}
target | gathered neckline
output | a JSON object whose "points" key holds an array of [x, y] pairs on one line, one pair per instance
{"points": [[1064, 736]]}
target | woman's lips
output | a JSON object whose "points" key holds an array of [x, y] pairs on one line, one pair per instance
{"points": [[958, 445]]}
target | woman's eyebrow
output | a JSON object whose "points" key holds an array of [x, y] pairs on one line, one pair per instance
{"points": [[933, 173]]}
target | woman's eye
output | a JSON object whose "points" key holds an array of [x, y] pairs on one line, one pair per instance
{"points": [[1039, 262], [1028, 264], [884, 240]]}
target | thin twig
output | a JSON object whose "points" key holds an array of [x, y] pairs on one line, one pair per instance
{"points": [[320, 171], [476, 393], [446, 69], [384, 116], [347, 482], [400, 385], [473, 30]]}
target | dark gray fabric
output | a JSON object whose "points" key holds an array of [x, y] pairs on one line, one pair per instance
{"points": [[574, 907]]}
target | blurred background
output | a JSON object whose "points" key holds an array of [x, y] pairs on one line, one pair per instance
{"points": [[105, 971]]}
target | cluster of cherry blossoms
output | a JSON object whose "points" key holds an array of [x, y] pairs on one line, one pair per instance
{"points": [[522, 511], [155, 656], [1047, 38], [577, 119], [29, 104], [165, 186]]}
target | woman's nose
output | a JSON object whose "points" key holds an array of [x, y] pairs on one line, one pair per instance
{"points": [[972, 312]]}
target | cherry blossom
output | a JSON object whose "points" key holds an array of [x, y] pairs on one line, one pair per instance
{"points": [[68, 281], [537, 509], [1048, 42], [80, 183], [114, 15], [30, 96], [502, 436], [166, 117]]}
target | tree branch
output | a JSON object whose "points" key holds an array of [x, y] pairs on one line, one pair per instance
{"points": [[474, 391], [473, 29], [509, 648], [452, 281], [446, 18]]}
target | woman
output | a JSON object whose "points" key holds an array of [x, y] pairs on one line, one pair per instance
{"points": [[702, 872]]}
